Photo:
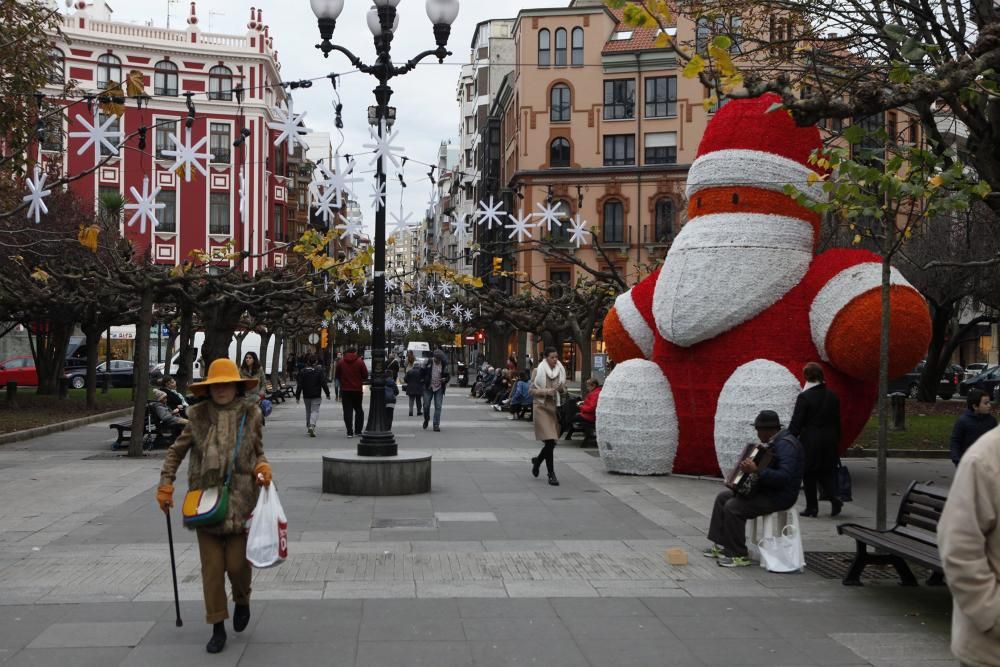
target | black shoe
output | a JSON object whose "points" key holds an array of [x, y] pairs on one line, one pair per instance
{"points": [[536, 464], [553, 481], [350, 434], [835, 507], [218, 640], [241, 617], [411, 413], [426, 421], [809, 512], [437, 429]]}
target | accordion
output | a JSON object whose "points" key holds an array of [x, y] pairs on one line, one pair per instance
{"points": [[744, 483]]}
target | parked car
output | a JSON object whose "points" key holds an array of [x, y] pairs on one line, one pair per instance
{"points": [[122, 374], [972, 370], [909, 384], [20, 370], [987, 381]]}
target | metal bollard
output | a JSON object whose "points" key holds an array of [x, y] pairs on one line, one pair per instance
{"points": [[12, 394], [898, 409]]}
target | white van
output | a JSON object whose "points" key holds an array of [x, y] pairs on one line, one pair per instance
{"points": [[421, 351], [250, 344]]}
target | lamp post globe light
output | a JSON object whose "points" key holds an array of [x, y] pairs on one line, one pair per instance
{"points": [[383, 21]]}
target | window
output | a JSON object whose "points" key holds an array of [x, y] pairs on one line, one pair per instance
{"points": [[109, 199], [57, 67], [109, 70], [279, 223], [721, 100], [53, 138], [619, 99], [892, 127], [663, 231], [558, 283], [559, 153], [805, 92], [164, 128], [219, 211], [736, 34], [544, 48], [577, 47], [165, 79], [220, 83], [561, 105], [219, 142], [661, 96], [619, 150], [561, 47], [836, 124], [661, 148], [914, 132], [168, 214], [701, 35], [116, 126], [614, 222]]}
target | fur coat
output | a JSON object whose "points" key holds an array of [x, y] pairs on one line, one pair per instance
{"points": [[210, 438]]}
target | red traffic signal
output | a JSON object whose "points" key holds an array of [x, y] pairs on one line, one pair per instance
{"points": [[480, 336]]}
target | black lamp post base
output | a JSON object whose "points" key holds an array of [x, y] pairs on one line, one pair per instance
{"points": [[377, 444], [345, 473]]}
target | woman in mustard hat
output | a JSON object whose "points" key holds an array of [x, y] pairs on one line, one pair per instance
{"points": [[222, 431]]}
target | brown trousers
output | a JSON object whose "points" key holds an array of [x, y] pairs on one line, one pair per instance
{"points": [[222, 555]]}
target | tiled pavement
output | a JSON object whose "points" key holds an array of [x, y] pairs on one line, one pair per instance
{"points": [[493, 567]]}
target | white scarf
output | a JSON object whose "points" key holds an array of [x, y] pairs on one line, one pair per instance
{"points": [[546, 372]]}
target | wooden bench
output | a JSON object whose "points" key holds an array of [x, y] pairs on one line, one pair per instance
{"points": [[913, 538], [153, 432]]}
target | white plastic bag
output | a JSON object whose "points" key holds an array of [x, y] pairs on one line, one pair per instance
{"points": [[267, 543], [775, 540]]}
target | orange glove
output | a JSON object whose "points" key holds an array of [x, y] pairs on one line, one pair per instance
{"points": [[165, 497], [263, 474]]}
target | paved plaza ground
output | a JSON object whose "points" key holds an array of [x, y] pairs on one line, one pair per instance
{"points": [[494, 567]]}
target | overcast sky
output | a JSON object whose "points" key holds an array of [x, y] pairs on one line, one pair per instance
{"points": [[425, 98]]}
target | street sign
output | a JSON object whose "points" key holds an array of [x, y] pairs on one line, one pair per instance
{"points": [[313, 338]]}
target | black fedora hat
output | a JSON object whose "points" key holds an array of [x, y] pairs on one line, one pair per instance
{"points": [[767, 419]]}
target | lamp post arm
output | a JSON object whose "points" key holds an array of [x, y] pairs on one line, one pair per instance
{"points": [[356, 62], [440, 53]]}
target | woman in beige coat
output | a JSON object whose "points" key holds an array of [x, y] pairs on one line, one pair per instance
{"points": [[548, 385], [210, 437], [969, 540]]}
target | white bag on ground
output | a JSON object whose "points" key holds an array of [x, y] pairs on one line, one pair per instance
{"points": [[775, 540], [267, 543]]}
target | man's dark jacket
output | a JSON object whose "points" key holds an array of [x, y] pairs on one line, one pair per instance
{"points": [[967, 430], [427, 374], [352, 372], [816, 423], [310, 382], [782, 480]]}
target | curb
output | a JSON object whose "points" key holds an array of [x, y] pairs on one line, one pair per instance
{"points": [[859, 453], [28, 434]]}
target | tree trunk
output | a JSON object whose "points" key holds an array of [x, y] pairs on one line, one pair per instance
{"points": [[50, 355], [276, 359], [883, 391], [169, 353], [186, 360], [220, 324], [141, 372], [265, 343], [93, 333], [930, 377], [240, 337]]}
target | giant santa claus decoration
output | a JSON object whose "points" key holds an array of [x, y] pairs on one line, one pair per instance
{"points": [[740, 304]]}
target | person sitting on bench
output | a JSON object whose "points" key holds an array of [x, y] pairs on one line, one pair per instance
{"points": [[586, 421], [520, 398], [777, 489], [167, 417]]}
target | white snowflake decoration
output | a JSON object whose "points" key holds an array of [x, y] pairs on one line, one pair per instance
{"points": [[337, 181], [336, 293], [186, 155], [36, 196], [377, 195], [326, 207], [460, 231], [467, 315], [352, 289], [551, 213], [491, 214], [520, 225], [431, 291], [353, 227], [292, 126], [457, 310], [403, 223], [384, 148], [420, 311], [243, 196], [98, 135], [578, 233], [145, 206]]}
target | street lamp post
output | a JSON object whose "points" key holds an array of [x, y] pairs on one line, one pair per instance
{"points": [[383, 21]]}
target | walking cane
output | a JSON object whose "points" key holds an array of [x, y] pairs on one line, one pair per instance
{"points": [[173, 570]]}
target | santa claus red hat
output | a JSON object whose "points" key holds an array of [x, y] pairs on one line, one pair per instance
{"points": [[749, 144]]}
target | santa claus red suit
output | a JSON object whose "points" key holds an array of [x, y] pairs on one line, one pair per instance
{"points": [[740, 304]]}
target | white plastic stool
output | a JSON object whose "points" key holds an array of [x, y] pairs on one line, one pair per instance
{"points": [[775, 541]]}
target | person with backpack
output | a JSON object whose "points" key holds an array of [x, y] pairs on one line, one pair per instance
{"points": [[352, 373], [391, 392], [311, 383], [414, 385]]}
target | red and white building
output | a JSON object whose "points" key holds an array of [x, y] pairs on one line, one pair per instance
{"points": [[235, 83]]}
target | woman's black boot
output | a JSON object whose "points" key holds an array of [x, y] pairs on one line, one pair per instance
{"points": [[241, 617], [553, 481], [536, 464], [218, 640]]}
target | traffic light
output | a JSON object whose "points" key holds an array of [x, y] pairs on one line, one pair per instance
{"points": [[480, 336], [497, 265], [323, 340]]}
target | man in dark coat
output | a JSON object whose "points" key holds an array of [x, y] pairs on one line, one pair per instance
{"points": [[976, 421], [777, 490], [311, 382], [352, 372], [816, 423]]}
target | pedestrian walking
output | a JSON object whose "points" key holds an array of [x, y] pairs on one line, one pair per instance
{"points": [[311, 384], [413, 382], [435, 380], [816, 423], [352, 373], [336, 380], [969, 543], [224, 437], [976, 421], [251, 368], [391, 392], [547, 388], [393, 368]]}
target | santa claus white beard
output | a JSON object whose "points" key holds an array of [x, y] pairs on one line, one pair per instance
{"points": [[725, 268]]}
